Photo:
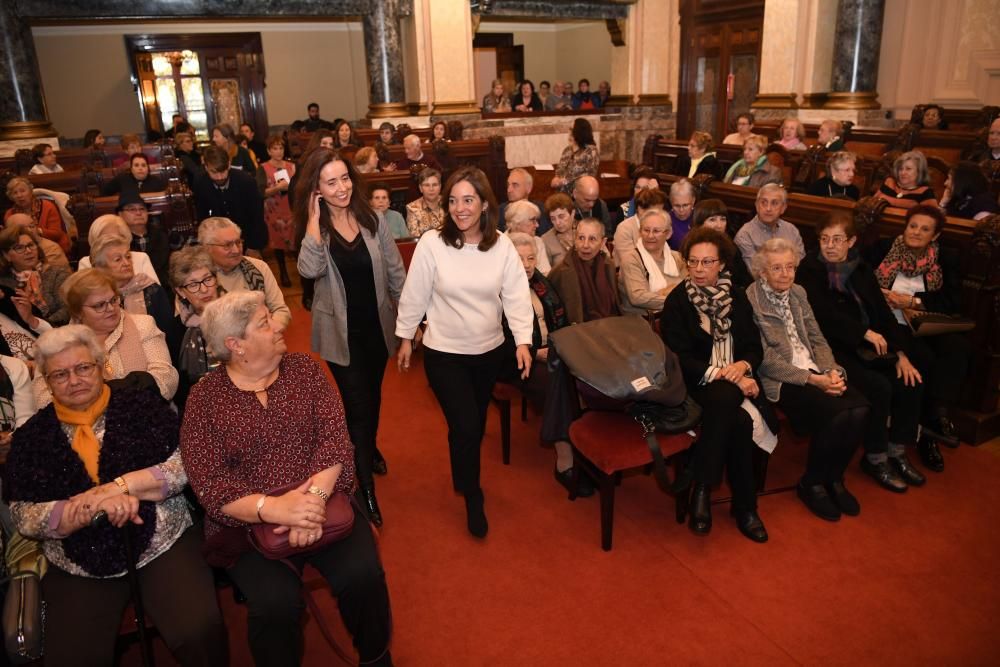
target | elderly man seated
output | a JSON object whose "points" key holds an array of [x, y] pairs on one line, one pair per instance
{"points": [[585, 279], [236, 272], [587, 198], [829, 135], [416, 160], [772, 200], [651, 270], [519, 184], [147, 238], [682, 200], [559, 100]]}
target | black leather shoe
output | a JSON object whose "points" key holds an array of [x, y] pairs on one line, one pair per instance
{"points": [[700, 520], [818, 501], [584, 489], [942, 429], [910, 475], [371, 505], [847, 503], [475, 514], [379, 466], [750, 525], [930, 455], [882, 473]]}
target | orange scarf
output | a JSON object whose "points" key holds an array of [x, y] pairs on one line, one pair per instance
{"points": [[85, 440]]}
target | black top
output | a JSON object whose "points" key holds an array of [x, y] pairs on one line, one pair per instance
{"points": [[355, 267], [126, 183], [535, 103], [709, 165], [240, 201], [972, 206], [243, 161], [156, 244], [826, 187]]}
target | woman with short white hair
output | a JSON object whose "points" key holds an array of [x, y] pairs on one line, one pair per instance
{"points": [[652, 270], [140, 294], [522, 217], [114, 224]]}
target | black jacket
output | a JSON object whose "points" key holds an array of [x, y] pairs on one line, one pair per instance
{"points": [[240, 201], [158, 249], [126, 183], [710, 165]]}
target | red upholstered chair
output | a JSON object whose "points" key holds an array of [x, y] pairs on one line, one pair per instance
{"points": [[503, 395], [607, 443], [406, 249]]}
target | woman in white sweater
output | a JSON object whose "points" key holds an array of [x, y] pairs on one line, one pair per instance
{"points": [[465, 276]]}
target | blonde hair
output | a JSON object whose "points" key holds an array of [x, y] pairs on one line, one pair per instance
{"points": [[80, 285]]}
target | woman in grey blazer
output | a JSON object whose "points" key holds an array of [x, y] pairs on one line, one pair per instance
{"points": [[800, 374], [349, 250]]}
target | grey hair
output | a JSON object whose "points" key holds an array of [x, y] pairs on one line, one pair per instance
{"points": [[836, 125], [186, 261], [54, 341], [228, 316], [19, 180], [209, 226], [769, 188], [923, 176], [108, 223], [522, 239], [839, 158], [770, 247], [682, 186], [526, 174], [519, 211], [593, 221], [103, 243], [657, 213]]}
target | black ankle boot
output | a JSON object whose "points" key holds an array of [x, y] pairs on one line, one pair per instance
{"points": [[371, 505], [283, 276], [475, 514], [379, 466], [700, 522]]}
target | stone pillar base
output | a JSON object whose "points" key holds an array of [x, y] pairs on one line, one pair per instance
{"points": [[775, 101], [31, 129], [388, 110], [852, 101], [453, 108], [860, 117], [814, 100], [655, 101], [619, 101]]}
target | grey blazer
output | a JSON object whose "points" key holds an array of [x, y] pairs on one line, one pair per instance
{"points": [[329, 309], [777, 368]]}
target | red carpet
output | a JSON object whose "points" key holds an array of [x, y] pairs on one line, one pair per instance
{"points": [[913, 580]]}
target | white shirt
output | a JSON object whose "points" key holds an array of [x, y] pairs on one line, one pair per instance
{"points": [[24, 399], [464, 292], [908, 285]]}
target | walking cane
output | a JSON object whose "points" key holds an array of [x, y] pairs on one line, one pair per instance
{"points": [[134, 589]]}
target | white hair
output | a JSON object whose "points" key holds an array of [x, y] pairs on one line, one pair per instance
{"points": [[772, 188], [774, 246], [54, 341], [681, 187], [527, 176], [518, 212], [105, 242], [522, 239], [108, 223], [209, 226], [228, 317]]}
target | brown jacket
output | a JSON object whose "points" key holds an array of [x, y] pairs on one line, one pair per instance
{"points": [[567, 283]]}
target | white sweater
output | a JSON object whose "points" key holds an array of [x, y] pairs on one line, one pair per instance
{"points": [[464, 292]]}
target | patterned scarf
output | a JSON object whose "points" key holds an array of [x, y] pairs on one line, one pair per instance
{"points": [[555, 311], [781, 303], [715, 302], [902, 259], [742, 168], [599, 298], [252, 275]]}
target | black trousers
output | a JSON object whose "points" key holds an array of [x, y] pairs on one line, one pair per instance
{"points": [[943, 361], [891, 401], [835, 422], [352, 569], [83, 614], [462, 384], [726, 440], [360, 385]]}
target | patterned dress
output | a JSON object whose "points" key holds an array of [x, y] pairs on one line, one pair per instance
{"points": [[277, 212]]}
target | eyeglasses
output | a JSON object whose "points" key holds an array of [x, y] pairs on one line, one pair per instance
{"points": [[61, 376], [781, 268], [682, 206], [23, 247], [708, 262], [832, 240], [228, 245], [135, 209], [197, 285], [656, 231], [105, 306]]}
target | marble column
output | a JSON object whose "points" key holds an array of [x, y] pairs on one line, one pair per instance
{"points": [[856, 45], [387, 94], [22, 104]]}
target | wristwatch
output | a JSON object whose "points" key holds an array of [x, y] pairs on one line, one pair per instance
{"points": [[316, 491]]}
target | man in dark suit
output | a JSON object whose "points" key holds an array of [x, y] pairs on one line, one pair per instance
{"points": [[223, 192], [148, 238], [587, 198], [519, 184]]}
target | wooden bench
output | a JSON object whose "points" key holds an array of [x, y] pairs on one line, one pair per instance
{"points": [[75, 159]]}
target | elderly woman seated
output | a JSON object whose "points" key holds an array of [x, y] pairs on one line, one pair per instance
{"points": [[910, 183], [709, 324], [43, 212], [116, 226], [522, 217], [800, 374], [46, 161], [305, 442], [192, 277], [839, 179], [627, 232], [967, 193], [652, 270], [132, 343], [791, 135], [426, 213], [559, 240], [753, 169], [141, 295], [700, 159], [854, 318], [918, 274], [366, 160], [25, 271], [100, 452]]}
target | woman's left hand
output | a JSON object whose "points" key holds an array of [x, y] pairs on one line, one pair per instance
{"points": [[300, 538], [523, 355], [23, 305], [121, 509], [733, 372], [749, 387], [897, 300]]}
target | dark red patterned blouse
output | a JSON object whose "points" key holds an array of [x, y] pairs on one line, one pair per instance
{"points": [[233, 446]]}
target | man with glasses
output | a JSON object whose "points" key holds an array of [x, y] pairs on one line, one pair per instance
{"points": [[233, 194], [236, 271], [150, 239], [772, 200]]}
